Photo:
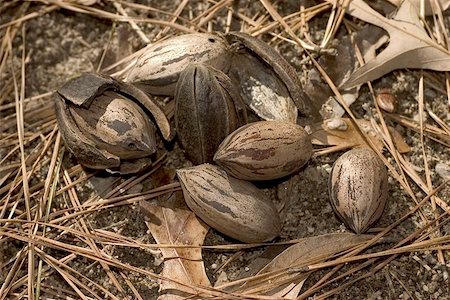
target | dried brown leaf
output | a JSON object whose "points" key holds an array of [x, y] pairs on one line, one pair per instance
{"points": [[304, 252], [172, 222], [409, 46], [349, 138], [339, 66], [430, 8], [261, 261], [316, 248]]}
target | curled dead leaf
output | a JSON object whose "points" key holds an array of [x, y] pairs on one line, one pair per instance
{"points": [[305, 252], [430, 6], [409, 46], [174, 224], [322, 135]]}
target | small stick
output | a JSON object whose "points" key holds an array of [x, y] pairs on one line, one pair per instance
{"points": [[133, 24]]}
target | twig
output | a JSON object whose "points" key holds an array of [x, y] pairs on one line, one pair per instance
{"points": [[133, 24]]}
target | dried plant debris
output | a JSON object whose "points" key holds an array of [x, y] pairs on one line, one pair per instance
{"points": [[339, 66], [172, 223], [409, 44], [430, 7], [278, 278], [340, 133]]}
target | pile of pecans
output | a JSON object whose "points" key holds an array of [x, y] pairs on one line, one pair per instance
{"points": [[214, 78]]}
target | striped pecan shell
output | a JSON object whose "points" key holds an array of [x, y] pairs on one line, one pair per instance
{"points": [[268, 84], [106, 123], [358, 188], [206, 111], [234, 207], [157, 70], [264, 150]]}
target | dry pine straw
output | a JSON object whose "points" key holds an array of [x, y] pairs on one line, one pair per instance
{"points": [[45, 213]]}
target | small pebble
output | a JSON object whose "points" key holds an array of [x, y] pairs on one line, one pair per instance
{"points": [[327, 209], [443, 169], [386, 100], [247, 269], [327, 168], [391, 180], [214, 266], [445, 275], [336, 124], [416, 117], [366, 106], [158, 261], [222, 278]]}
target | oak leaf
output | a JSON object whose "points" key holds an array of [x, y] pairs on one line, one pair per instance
{"points": [[306, 251], [409, 46], [171, 222], [430, 5], [322, 135]]}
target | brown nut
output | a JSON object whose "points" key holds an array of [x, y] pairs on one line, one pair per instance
{"points": [[386, 101], [106, 123], [264, 150], [117, 125], [358, 188], [234, 207], [268, 84], [157, 70], [206, 111]]}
